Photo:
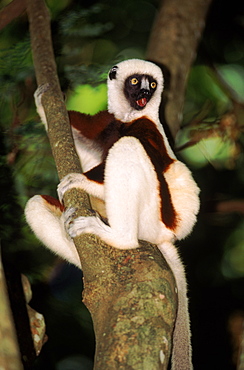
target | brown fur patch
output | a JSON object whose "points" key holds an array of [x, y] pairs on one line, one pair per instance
{"points": [[96, 173], [53, 204]]}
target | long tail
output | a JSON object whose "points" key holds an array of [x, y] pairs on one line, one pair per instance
{"points": [[182, 351]]}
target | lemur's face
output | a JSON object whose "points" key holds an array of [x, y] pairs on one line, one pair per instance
{"points": [[134, 90], [138, 89]]}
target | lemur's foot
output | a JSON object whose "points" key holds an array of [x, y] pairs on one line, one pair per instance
{"points": [[82, 225]]}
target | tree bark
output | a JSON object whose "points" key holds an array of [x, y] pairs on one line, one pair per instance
{"points": [[173, 43], [129, 293]]}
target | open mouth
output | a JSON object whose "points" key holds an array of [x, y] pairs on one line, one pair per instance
{"points": [[142, 102]]}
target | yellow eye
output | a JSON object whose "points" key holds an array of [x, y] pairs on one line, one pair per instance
{"points": [[134, 81], [153, 85]]}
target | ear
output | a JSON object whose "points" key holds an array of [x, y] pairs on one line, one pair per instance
{"points": [[112, 73]]}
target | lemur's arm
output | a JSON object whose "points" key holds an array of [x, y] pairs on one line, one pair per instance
{"points": [[87, 131], [87, 125]]}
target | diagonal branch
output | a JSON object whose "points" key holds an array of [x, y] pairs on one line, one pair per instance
{"points": [[11, 11], [130, 294]]}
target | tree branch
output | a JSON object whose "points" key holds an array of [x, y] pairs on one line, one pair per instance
{"points": [[173, 43], [130, 293], [11, 11]]}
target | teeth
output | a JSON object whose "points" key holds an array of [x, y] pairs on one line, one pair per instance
{"points": [[141, 102]]}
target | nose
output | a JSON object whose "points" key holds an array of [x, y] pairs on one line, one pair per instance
{"points": [[144, 92]]}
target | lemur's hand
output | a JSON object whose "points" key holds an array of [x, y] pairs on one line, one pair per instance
{"points": [[38, 101]]}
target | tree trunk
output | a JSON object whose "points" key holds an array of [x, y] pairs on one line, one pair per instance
{"points": [[173, 44]]}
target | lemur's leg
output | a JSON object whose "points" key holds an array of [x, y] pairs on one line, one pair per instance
{"points": [[185, 197], [46, 218], [127, 188]]}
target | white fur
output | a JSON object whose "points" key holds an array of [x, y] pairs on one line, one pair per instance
{"points": [[49, 228], [130, 184], [129, 209], [131, 196], [117, 102], [89, 153]]}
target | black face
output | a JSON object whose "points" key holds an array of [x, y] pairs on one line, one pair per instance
{"points": [[139, 89]]}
